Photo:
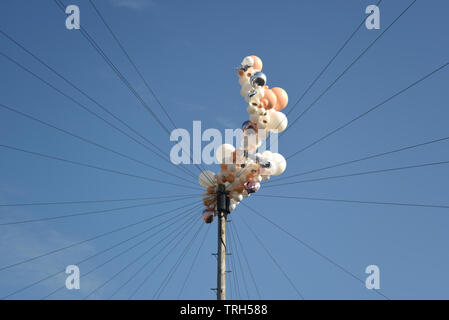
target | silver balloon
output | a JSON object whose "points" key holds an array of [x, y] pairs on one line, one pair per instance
{"points": [[259, 79]]}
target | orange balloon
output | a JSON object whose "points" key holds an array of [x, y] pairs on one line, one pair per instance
{"points": [[223, 167], [231, 178], [257, 63], [239, 188], [269, 99], [281, 98]]}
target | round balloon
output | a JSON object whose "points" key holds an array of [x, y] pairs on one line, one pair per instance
{"points": [[224, 153], [207, 179]]}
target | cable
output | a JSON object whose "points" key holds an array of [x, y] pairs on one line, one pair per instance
{"points": [[370, 110], [135, 260], [89, 239], [312, 249], [90, 201], [234, 246], [193, 262], [88, 213], [329, 63], [93, 166], [126, 82], [132, 63], [360, 201], [350, 65], [362, 173], [86, 259], [364, 158], [247, 262], [91, 142], [160, 263], [178, 262], [160, 155], [109, 260], [271, 256]]}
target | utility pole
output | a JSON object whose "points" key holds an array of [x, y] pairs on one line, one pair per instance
{"points": [[223, 202]]}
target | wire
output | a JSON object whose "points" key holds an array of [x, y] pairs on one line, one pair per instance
{"points": [[91, 142], [360, 201], [90, 201], [87, 259], [175, 267], [271, 256], [364, 158], [303, 243], [370, 110], [194, 261], [350, 65], [136, 259], [93, 43], [132, 63], [363, 173], [234, 249], [93, 166], [114, 257], [329, 63], [247, 262], [90, 239], [160, 263], [88, 213], [53, 70]]}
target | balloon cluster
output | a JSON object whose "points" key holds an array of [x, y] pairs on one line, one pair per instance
{"points": [[243, 169]]}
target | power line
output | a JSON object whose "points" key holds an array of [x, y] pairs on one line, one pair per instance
{"points": [[135, 260], [178, 216], [132, 63], [271, 256], [329, 62], [89, 239], [88, 213], [186, 279], [90, 201], [246, 260], [160, 263], [86, 140], [234, 249], [93, 166], [86, 259], [370, 110], [350, 65], [303, 243], [178, 262], [363, 173], [364, 158], [79, 104], [100, 51], [359, 201]]}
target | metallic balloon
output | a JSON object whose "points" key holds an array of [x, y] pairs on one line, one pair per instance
{"points": [[259, 79]]}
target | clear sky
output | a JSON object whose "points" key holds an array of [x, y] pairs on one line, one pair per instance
{"points": [[188, 52]]}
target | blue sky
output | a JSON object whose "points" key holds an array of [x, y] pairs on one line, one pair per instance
{"points": [[188, 52]]}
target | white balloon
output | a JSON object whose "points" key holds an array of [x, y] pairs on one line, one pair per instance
{"points": [[224, 153], [281, 164], [207, 179], [278, 121]]}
